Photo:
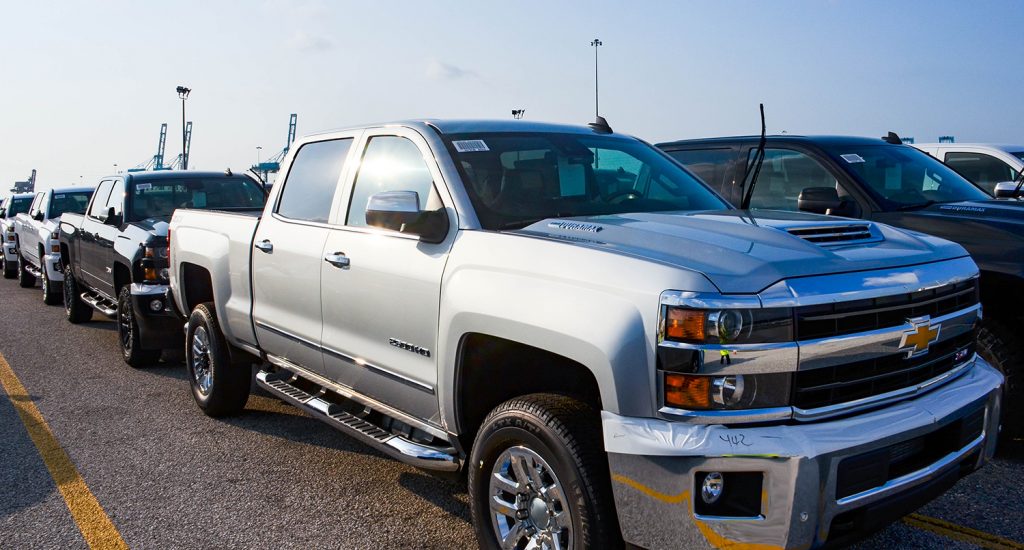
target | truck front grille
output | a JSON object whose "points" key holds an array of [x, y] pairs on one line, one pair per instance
{"points": [[837, 319], [827, 386]]}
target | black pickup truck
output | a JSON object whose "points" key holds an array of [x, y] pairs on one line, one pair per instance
{"points": [[896, 184], [115, 255]]}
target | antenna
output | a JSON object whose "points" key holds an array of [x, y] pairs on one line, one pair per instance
{"points": [[755, 164], [600, 125], [892, 138]]}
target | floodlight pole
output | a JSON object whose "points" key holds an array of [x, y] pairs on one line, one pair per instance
{"points": [[595, 43], [183, 94]]}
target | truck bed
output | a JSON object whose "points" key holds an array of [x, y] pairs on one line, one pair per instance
{"points": [[221, 242]]}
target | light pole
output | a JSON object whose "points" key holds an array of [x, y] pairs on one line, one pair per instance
{"points": [[183, 94], [595, 43], [115, 167]]}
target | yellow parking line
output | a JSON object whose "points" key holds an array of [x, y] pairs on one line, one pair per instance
{"points": [[96, 527], [961, 533]]}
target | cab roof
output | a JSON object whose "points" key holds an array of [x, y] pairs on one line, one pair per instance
{"points": [[465, 126], [1005, 147], [152, 175], [784, 138]]}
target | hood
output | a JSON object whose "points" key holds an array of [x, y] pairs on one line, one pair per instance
{"points": [[744, 252], [995, 210], [156, 226]]}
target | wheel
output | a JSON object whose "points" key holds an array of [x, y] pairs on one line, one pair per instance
{"points": [[50, 295], [76, 310], [539, 477], [219, 384], [128, 333], [10, 269], [998, 344], [25, 279]]}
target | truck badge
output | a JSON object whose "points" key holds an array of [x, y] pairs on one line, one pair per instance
{"points": [[916, 341]]}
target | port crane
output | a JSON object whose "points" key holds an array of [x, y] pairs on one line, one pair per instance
{"points": [[157, 162], [273, 164]]}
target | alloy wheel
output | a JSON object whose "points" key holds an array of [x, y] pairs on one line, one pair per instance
{"points": [[200, 361], [528, 505]]}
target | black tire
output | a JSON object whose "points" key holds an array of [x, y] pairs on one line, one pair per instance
{"points": [[51, 294], [76, 310], [999, 345], [25, 279], [10, 269], [566, 434], [128, 333], [220, 383]]}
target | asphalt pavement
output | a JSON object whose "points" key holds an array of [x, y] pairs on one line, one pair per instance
{"points": [[169, 477]]}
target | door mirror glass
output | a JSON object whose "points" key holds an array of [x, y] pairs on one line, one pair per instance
{"points": [[1006, 190], [113, 218], [400, 211], [818, 200]]}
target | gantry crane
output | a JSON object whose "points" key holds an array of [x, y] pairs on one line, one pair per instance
{"points": [[157, 162], [177, 163], [273, 164]]}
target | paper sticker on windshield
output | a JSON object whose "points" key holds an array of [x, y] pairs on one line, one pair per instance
{"points": [[852, 158], [470, 146], [61, 196], [143, 186]]}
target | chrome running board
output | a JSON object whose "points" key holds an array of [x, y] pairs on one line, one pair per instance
{"points": [[355, 419], [100, 304]]}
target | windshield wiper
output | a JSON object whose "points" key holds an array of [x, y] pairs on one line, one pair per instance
{"points": [[917, 206]]}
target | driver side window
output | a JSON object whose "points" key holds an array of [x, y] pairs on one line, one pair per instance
{"points": [[784, 174], [391, 163]]}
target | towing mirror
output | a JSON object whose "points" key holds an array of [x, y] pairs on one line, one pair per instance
{"points": [[400, 211], [818, 200], [113, 218], [1006, 190]]}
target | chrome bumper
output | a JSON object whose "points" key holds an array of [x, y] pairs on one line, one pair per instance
{"points": [[654, 464]]}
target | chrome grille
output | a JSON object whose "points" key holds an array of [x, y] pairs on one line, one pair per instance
{"points": [[838, 319], [833, 234]]}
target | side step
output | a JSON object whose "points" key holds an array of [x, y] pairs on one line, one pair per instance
{"points": [[33, 270], [324, 406], [100, 304]]}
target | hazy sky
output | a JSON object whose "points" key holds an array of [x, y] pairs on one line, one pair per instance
{"points": [[87, 84]]}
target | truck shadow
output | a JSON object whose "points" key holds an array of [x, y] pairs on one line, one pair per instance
{"points": [[24, 480], [449, 496]]}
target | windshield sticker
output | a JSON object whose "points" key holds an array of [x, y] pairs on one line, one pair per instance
{"points": [[470, 146], [143, 186], [61, 196], [852, 158]]}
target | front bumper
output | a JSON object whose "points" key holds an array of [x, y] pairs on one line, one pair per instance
{"points": [[159, 328], [655, 463], [53, 267]]}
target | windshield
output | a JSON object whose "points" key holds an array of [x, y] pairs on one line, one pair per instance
{"points": [[515, 179], [18, 206], [904, 177], [74, 203], [159, 198]]}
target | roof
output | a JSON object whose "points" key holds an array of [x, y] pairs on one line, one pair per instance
{"points": [[457, 126], [73, 189], [785, 138], [150, 175], [999, 146]]}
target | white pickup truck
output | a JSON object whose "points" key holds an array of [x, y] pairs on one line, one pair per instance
{"points": [[987, 165], [36, 234], [604, 348], [10, 208]]}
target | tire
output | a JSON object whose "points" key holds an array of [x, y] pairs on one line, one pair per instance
{"points": [[998, 344], [220, 384], [562, 438], [25, 279], [10, 269], [76, 310], [51, 295], [128, 334]]}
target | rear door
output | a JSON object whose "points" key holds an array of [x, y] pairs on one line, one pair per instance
{"points": [[289, 245], [381, 308]]}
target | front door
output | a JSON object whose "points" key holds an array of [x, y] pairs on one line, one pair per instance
{"points": [[91, 257], [381, 289], [288, 251]]}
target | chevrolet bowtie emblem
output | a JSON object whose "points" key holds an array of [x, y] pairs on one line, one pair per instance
{"points": [[917, 340]]}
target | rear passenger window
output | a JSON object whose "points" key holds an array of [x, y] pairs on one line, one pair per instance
{"points": [[984, 170], [312, 181], [709, 165], [98, 209], [391, 163]]}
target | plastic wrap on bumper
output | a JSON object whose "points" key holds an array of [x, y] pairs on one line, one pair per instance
{"points": [[654, 462]]}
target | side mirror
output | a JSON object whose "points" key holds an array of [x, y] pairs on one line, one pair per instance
{"points": [[400, 211], [1006, 190], [818, 200], [113, 218], [38, 216]]}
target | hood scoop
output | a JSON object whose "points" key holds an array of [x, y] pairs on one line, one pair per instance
{"points": [[835, 235]]}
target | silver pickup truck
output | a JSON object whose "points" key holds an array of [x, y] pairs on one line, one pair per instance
{"points": [[602, 346]]}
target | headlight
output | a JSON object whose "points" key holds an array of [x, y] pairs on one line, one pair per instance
{"points": [[727, 326]]}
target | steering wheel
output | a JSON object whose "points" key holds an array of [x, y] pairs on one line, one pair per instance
{"points": [[622, 196]]}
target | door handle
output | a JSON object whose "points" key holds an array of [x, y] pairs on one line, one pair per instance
{"points": [[337, 260], [265, 246]]}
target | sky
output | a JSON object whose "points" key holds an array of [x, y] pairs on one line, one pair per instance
{"points": [[86, 85]]}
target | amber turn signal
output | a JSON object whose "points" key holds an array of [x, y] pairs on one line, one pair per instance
{"points": [[149, 273], [684, 324], [687, 391]]}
